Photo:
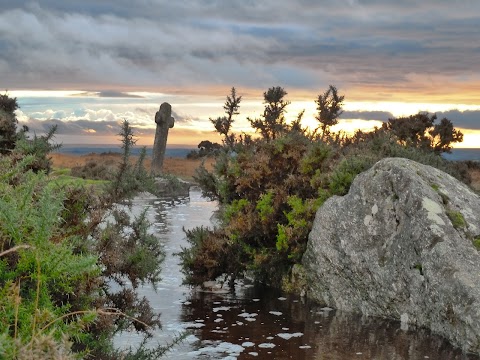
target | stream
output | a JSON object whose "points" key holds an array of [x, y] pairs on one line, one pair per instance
{"points": [[257, 322]]}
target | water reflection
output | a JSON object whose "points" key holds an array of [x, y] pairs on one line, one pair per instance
{"points": [[276, 326], [256, 322]]}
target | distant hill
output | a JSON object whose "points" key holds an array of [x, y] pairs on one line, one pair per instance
{"points": [[176, 151], [181, 151]]}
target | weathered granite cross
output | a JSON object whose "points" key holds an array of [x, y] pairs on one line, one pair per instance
{"points": [[164, 121]]}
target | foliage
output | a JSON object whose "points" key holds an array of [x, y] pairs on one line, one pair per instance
{"points": [[39, 147], [61, 249], [419, 131], [8, 123], [347, 169], [205, 148], [292, 235], [272, 123], [129, 179], [329, 107], [208, 182], [220, 256], [259, 187], [223, 124], [270, 187], [39, 266], [94, 170], [379, 144], [19, 143]]}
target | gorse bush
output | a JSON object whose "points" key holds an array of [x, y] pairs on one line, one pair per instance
{"points": [[8, 123], [38, 266], [270, 187], [39, 147], [62, 248]]}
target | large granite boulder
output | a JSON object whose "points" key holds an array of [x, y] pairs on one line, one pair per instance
{"points": [[401, 245]]}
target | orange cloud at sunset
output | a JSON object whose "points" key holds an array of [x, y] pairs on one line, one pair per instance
{"points": [[120, 62]]}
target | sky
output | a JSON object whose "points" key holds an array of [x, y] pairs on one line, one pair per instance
{"points": [[88, 65]]}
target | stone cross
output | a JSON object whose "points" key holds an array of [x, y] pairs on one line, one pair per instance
{"points": [[164, 121]]}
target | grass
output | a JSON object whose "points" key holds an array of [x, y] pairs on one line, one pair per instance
{"points": [[62, 177]]}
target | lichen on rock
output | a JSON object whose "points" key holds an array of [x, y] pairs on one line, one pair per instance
{"points": [[392, 248]]}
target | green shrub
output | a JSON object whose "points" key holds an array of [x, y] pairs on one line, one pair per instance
{"points": [[57, 264], [220, 256], [270, 187], [38, 148], [343, 174], [39, 265]]}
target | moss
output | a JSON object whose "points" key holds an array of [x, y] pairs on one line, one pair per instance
{"points": [[476, 242], [457, 219], [445, 198], [419, 268]]}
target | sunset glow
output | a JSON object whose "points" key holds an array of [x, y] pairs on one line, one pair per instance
{"points": [[86, 67]]}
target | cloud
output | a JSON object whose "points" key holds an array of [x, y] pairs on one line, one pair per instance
{"points": [[87, 131], [367, 115], [78, 127], [108, 94], [104, 122], [387, 46], [468, 119]]}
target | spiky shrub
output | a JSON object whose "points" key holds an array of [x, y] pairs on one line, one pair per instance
{"points": [[8, 123], [221, 256], [129, 178], [39, 147], [270, 188], [269, 203], [38, 266], [57, 264]]}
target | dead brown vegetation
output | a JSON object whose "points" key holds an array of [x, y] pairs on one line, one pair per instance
{"points": [[183, 168]]}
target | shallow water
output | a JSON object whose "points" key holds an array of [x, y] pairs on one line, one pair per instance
{"points": [[255, 322]]}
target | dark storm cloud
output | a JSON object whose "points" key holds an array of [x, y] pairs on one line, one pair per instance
{"points": [[146, 44], [469, 119]]}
